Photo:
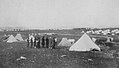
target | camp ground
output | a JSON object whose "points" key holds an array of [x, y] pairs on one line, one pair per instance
{"points": [[74, 49], [59, 33]]}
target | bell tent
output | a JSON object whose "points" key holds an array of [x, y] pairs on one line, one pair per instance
{"points": [[94, 39], [84, 44], [71, 41], [64, 42], [11, 39], [19, 37]]}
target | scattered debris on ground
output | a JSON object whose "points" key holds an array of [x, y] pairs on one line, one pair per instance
{"points": [[21, 58]]}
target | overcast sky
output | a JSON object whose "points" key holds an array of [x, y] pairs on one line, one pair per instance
{"points": [[59, 13]]}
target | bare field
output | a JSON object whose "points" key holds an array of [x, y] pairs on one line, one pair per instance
{"points": [[53, 58], [50, 58]]}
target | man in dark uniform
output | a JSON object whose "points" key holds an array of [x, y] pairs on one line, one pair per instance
{"points": [[31, 42], [27, 42], [47, 42], [38, 43], [43, 41], [54, 43], [35, 42], [50, 42]]}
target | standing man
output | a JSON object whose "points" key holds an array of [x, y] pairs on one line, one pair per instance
{"points": [[31, 42], [35, 42], [38, 43], [43, 41], [47, 42], [50, 42], [28, 42], [54, 43]]}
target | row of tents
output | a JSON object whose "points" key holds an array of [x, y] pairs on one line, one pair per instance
{"points": [[104, 32], [84, 43], [12, 39]]}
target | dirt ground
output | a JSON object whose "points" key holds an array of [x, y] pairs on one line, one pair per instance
{"points": [[51, 58]]}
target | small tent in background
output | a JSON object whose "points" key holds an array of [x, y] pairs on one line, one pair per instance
{"points": [[109, 39], [94, 39], [113, 34], [71, 41], [9, 35], [64, 42], [84, 44], [5, 35], [19, 37], [11, 39], [82, 31]]}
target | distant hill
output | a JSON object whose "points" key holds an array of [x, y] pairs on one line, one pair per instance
{"points": [[13, 28]]}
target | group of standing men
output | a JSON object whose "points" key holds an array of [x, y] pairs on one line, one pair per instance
{"points": [[42, 42]]}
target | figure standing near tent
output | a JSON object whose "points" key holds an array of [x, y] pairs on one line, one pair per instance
{"points": [[28, 42], [35, 42], [47, 42], [54, 43], [43, 41], [38, 43], [31, 42], [50, 42]]}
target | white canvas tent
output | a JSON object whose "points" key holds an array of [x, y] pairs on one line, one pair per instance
{"points": [[64, 42], [11, 39], [4, 35], [109, 39], [82, 31], [71, 41], [84, 44], [93, 39], [19, 37]]}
